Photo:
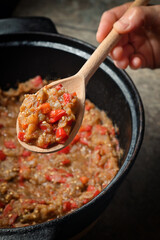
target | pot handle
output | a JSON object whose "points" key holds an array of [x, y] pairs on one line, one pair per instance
{"points": [[26, 24]]}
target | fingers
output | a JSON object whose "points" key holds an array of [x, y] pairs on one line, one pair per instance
{"points": [[131, 20], [108, 19]]}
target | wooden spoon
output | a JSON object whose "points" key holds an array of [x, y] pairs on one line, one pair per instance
{"points": [[77, 83]]}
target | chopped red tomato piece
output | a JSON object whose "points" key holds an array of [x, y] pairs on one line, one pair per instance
{"points": [[101, 129], [21, 136], [61, 135], [45, 108], [42, 126], [26, 153], [67, 206], [66, 161], [1, 125], [12, 218], [83, 141], [76, 139], [96, 193], [66, 97], [9, 144], [2, 155], [65, 150], [87, 128], [37, 81], [59, 86], [7, 209], [90, 188], [84, 179], [56, 115], [56, 178]]}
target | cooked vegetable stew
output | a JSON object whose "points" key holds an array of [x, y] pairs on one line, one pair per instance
{"points": [[47, 117], [35, 188]]}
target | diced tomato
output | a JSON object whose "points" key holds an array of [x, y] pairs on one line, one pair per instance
{"points": [[56, 115], [7, 209], [96, 193], [21, 136], [65, 150], [45, 145], [76, 139], [59, 86], [1, 125], [74, 94], [87, 128], [90, 188], [61, 135], [74, 205], [84, 179], [9, 144], [66, 161], [26, 153], [67, 206], [86, 200], [70, 122], [42, 126], [2, 155], [112, 131], [101, 129], [84, 141], [12, 218], [37, 81], [56, 178], [45, 108], [66, 97]]}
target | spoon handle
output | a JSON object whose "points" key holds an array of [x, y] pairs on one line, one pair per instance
{"points": [[99, 55]]}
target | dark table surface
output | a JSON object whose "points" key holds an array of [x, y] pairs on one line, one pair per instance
{"points": [[134, 212]]}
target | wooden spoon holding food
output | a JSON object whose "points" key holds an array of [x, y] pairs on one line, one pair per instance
{"points": [[49, 119]]}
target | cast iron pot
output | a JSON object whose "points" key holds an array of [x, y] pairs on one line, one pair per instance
{"points": [[26, 50]]}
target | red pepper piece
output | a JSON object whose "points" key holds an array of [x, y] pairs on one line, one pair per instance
{"points": [[87, 128], [2, 155], [84, 179], [26, 153], [96, 193], [42, 126], [56, 115], [66, 161], [61, 135], [101, 129], [76, 139], [21, 136], [67, 206], [7, 209], [65, 150], [9, 144], [1, 126], [37, 81], [67, 98], [12, 218], [84, 141], [90, 188], [59, 86]]}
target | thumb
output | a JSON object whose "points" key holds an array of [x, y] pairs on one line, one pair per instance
{"points": [[131, 20]]}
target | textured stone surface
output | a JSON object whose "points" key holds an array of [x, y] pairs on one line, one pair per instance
{"points": [[134, 212]]}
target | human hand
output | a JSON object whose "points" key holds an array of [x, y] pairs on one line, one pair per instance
{"points": [[139, 46]]}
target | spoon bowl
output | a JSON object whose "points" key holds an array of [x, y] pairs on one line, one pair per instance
{"points": [[77, 83]]}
